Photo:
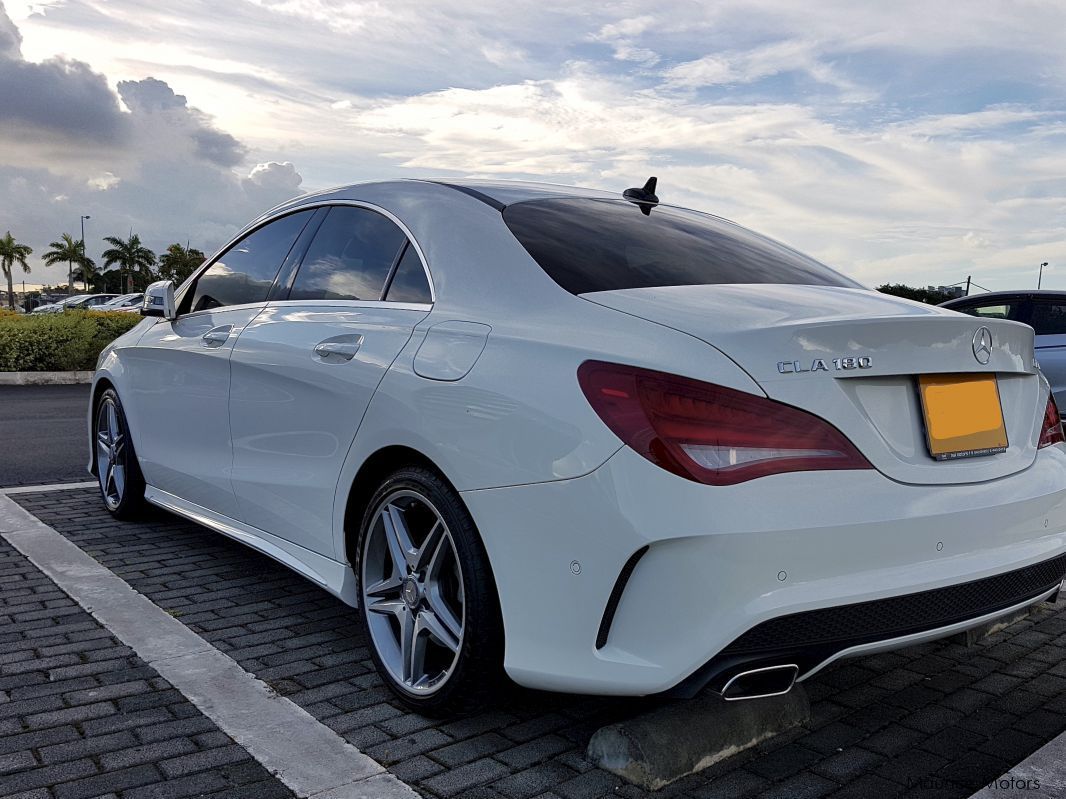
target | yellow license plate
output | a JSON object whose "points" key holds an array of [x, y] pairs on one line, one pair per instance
{"points": [[963, 415]]}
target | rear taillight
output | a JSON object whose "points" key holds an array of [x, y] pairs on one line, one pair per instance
{"points": [[1051, 430], [708, 433]]}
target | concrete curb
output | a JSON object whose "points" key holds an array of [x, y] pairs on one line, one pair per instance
{"points": [[37, 489], [45, 378], [682, 738], [975, 634], [1042, 775]]}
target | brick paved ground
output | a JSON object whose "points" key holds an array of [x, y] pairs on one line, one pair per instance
{"points": [[938, 720], [81, 716]]}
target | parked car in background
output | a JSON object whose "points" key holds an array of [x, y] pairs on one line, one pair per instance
{"points": [[59, 305], [125, 302], [79, 302], [91, 302], [595, 442], [1044, 311]]}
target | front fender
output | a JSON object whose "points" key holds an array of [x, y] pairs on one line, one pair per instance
{"points": [[110, 368]]}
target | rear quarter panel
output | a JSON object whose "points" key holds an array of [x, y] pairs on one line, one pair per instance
{"points": [[519, 416]]}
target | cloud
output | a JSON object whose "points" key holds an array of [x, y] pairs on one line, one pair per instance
{"points": [[156, 103], [141, 159], [272, 180], [752, 65], [102, 182], [895, 141], [10, 38], [622, 36], [937, 195], [58, 98]]}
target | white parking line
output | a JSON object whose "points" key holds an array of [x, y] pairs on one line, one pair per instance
{"points": [[49, 487], [307, 756]]}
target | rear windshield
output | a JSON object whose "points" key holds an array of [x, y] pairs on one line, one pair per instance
{"points": [[600, 245]]}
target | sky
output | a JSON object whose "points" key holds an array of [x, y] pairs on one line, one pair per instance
{"points": [[902, 141]]}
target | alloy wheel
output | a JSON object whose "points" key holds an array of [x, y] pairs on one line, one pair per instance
{"points": [[110, 453], [412, 593]]}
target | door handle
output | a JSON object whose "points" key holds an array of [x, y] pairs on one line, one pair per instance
{"points": [[217, 336], [339, 349]]}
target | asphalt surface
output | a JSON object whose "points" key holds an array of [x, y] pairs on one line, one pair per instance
{"points": [[42, 434]]}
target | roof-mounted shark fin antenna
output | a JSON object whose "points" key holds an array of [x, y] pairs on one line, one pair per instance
{"points": [[644, 197]]}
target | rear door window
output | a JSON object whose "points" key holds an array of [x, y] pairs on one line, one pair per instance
{"points": [[350, 256], [601, 245], [409, 283]]}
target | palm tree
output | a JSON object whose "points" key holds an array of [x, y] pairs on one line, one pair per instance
{"points": [[86, 271], [178, 262], [11, 253], [131, 257], [73, 252]]}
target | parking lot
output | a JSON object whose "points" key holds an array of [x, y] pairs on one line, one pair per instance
{"points": [[81, 715]]}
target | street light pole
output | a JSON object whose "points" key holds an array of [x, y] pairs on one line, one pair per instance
{"points": [[84, 274], [1040, 276]]}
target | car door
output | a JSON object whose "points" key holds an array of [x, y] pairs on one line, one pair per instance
{"points": [[304, 370], [178, 375], [1047, 317]]}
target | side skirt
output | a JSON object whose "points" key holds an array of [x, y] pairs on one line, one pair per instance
{"points": [[329, 574]]}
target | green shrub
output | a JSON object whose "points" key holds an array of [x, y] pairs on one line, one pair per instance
{"points": [[60, 341]]}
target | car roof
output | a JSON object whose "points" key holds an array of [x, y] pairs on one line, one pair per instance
{"points": [[508, 192], [440, 216], [1001, 295], [497, 193]]}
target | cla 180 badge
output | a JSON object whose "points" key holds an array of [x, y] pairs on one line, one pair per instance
{"points": [[822, 365]]}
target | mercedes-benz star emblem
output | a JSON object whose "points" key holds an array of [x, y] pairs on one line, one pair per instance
{"points": [[982, 345]]}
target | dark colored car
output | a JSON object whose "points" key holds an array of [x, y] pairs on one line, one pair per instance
{"points": [[1044, 311]]}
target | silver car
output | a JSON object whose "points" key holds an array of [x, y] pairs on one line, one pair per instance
{"points": [[127, 302], [1044, 311], [56, 307]]}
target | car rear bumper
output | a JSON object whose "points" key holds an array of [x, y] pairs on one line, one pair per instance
{"points": [[728, 572]]}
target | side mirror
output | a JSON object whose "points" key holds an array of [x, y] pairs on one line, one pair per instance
{"points": [[159, 300]]}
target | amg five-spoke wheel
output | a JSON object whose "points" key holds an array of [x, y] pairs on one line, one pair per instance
{"points": [[117, 470], [413, 592], [110, 454], [427, 596]]}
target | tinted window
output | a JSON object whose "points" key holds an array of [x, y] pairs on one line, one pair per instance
{"points": [[245, 272], [1002, 309], [600, 245], [1048, 318], [350, 257], [409, 284]]}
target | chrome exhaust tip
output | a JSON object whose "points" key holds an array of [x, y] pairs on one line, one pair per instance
{"points": [[759, 683]]}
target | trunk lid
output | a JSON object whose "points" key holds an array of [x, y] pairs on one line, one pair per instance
{"points": [[852, 357]]}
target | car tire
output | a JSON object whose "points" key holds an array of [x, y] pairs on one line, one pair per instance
{"points": [[117, 470], [444, 579]]}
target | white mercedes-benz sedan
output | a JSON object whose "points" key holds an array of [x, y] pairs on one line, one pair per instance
{"points": [[590, 441]]}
